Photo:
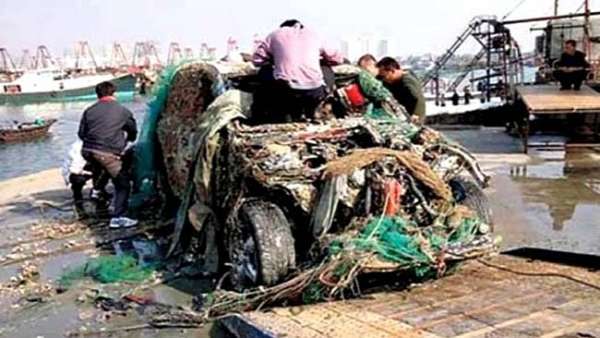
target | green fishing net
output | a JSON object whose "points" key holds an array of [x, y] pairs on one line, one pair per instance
{"points": [[107, 269], [373, 89], [145, 162], [397, 240]]}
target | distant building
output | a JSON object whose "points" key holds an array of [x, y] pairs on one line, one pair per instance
{"points": [[353, 47], [382, 48]]}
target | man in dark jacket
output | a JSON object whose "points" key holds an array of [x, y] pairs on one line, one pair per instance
{"points": [[105, 129], [404, 86], [572, 67]]}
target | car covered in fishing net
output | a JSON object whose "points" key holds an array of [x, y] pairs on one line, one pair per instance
{"points": [[268, 201]]}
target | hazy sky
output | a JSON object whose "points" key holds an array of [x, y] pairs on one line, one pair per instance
{"points": [[412, 26]]}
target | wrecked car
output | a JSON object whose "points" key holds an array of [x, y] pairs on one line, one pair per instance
{"points": [[263, 199]]}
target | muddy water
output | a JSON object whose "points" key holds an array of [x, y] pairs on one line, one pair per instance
{"points": [[549, 199], [76, 310]]}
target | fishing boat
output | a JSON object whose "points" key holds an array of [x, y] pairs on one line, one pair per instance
{"points": [[52, 85], [26, 131]]}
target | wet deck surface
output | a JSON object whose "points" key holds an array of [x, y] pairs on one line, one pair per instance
{"points": [[498, 297], [39, 231], [542, 99]]}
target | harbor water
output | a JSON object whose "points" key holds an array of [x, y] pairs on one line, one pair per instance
{"points": [[20, 159]]}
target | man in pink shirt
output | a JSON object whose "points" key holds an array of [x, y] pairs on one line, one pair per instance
{"points": [[291, 56]]}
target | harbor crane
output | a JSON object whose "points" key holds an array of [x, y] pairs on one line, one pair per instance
{"points": [[118, 60], [207, 53], [43, 58], [84, 57], [145, 56], [26, 61], [188, 53], [7, 66], [175, 54]]}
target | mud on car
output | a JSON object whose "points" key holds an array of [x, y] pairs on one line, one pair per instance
{"points": [[263, 198]]}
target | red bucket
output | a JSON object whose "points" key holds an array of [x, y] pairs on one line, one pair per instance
{"points": [[355, 95]]}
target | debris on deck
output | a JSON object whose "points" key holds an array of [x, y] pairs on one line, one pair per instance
{"points": [[501, 296]]}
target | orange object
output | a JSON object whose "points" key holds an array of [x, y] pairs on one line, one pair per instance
{"points": [[393, 192]]}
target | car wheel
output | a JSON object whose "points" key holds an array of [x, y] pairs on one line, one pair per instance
{"points": [[261, 246]]}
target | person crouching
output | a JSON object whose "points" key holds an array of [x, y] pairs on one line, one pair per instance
{"points": [[105, 129], [76, 172]]}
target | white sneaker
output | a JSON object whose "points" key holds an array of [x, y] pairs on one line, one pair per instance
{"points": [[122, 222]]}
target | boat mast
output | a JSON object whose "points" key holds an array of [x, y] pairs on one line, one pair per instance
{"points": [[586, 30]]}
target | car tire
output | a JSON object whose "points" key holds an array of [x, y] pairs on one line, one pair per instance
{"points": [[262, 252]]}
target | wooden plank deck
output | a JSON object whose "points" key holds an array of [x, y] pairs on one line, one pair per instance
{"points": [[548, 99], [514, 298]]}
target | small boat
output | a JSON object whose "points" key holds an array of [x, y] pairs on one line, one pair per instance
{"points": [[56, 85], [26, 131]]}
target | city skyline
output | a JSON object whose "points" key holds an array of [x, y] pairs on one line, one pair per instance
{"points": [[425, 27]]}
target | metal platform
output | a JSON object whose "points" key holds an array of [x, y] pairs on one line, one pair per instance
{"points": [[500, 297], [548, 99]]}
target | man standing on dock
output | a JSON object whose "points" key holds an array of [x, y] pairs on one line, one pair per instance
{"points": [[105, 129], [404, 86], [572, 67]]}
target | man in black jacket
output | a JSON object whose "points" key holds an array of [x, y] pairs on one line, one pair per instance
{"points": [[572, 67], [105, 129]]}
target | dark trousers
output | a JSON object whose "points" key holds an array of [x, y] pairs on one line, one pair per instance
{"points": [[119, 175], [570, 79], [99, 181], [276, 102], [77, 183], [294, 105]]}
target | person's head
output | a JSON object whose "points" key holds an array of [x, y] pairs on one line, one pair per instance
{"points": [[570, 47], [104, 89], [291, 23], [369, 64], [389, 70]]}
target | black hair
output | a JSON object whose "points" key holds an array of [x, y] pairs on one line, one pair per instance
{"points": [[571, 42], [365, 58], [291, 23], [388, 63], [105, 89]]}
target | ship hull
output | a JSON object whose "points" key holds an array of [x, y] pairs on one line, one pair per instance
{"points": [[125, 87]]}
